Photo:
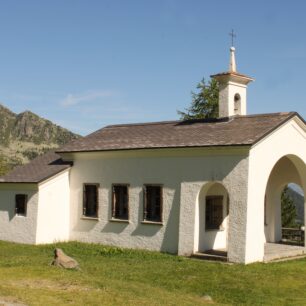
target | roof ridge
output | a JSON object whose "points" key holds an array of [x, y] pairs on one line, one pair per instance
{"points": [[143, 123], [267, 114], [195, 120]]}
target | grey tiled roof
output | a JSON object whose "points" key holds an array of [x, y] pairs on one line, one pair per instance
{"points": [[38, 170], [233, 131]]}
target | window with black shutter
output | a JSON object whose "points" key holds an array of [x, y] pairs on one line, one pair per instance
{"points": [[90, 200], [214, 212], [21, 204], [120, 202], [153, 203]]}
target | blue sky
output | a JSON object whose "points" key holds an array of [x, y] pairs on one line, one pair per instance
{"points": [[87, 64]]}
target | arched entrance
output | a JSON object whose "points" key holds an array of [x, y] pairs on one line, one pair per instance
{"points": [[288, 169], [212, 218]]}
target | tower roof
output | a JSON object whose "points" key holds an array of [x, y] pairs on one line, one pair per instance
{"points": [[232, 74]]}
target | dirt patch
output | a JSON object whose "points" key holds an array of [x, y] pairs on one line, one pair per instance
{"points": [[10, 301], [46, 284]]}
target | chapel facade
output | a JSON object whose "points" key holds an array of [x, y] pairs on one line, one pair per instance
{"points": [[183, 187]]}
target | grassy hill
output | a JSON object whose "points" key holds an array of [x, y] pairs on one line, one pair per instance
{"points": [[24, 136], [115, 276]]}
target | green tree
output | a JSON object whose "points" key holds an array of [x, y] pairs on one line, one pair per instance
{"points": [[204, 103], [288, 209]]}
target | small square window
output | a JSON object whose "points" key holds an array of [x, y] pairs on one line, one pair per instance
{"points": [[214, 212], [153, 203], [90, 200], [120, 203], [21, 204]]}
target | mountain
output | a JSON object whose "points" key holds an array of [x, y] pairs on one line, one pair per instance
{"points": [[26, 135], [298, 200]]}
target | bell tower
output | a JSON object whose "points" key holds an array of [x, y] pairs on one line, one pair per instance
{"points": [[232, 90]]}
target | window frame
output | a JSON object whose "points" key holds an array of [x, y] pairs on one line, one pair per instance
{"points": [[211, 228], [113, 207], [84, 215], [145, 204]]}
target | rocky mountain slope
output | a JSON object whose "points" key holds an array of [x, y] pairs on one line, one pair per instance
{"points": [[298, 200], [24, 136]]}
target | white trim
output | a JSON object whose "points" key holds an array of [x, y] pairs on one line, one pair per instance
{"points": [[161, 152], [296, 119], [40, 184]]}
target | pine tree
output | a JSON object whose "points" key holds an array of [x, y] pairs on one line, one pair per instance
{"points": [[288, 209], [204, 103]]}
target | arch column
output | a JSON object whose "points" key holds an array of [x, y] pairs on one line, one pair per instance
{"points": [[287, 140], [273, 176], [237, 186], [284, 172]]}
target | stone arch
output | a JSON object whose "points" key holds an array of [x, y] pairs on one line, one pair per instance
{"points": [[214, 237], [288, 169]]}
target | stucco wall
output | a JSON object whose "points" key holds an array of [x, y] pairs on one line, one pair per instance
{"points": [[232, 173], [226, 98], [182, 173], [16, 228], [287, 140], [53, 209]]}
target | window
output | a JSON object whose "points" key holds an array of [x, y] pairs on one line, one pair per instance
{"points": [[21, 204], [90, 200], [120, 204], [213, 212], [237, 104], [153, 203]]}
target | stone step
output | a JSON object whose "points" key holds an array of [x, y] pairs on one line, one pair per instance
{"points": [[209, 256], [276, 252], [285, 259]]}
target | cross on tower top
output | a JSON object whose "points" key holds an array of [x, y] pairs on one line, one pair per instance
{"points": [[233, 35]]}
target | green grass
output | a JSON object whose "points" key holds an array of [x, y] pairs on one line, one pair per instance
{"points": [[114, 276]]}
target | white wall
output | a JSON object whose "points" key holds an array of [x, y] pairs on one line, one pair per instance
{"points": [[232, 172], [16, 228], [288, 140], [175, 169], [53, 209]]}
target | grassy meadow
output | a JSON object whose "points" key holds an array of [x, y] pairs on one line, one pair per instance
{"points": [[115, 276]]}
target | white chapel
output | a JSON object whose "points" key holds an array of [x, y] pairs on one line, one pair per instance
{"points": [[183, 187]]}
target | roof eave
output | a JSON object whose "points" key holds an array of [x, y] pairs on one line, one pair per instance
{"points": [[38, 181], [232, 77], [156, 148]]}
